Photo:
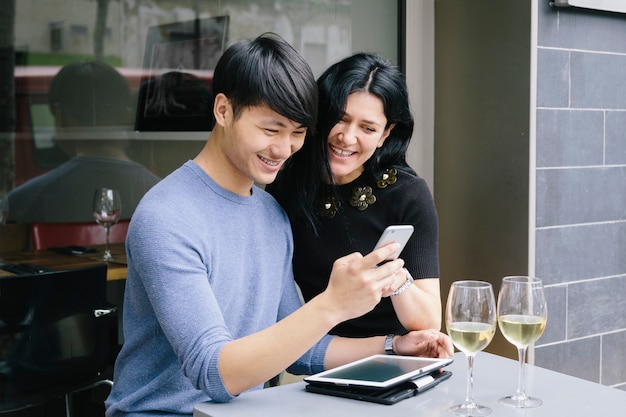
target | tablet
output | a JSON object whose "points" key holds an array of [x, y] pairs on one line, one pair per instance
{"points": [[387, 396], [379, 371]]}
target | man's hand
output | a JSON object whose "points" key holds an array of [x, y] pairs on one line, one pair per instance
{"points": [[356, 284]]}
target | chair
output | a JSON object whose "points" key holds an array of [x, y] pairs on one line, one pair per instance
{"points": [[54, 235], [56, 336]]}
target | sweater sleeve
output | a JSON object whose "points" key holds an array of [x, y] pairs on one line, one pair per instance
{"points": [[173, 275]]}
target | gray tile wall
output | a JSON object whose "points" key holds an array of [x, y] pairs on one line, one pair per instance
{"points": [[581, 191]]}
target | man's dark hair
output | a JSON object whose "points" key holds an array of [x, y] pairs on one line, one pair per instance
{"points": [[268, 71]]}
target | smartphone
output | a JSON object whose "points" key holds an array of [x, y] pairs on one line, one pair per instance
{"points": [[395, 233]]}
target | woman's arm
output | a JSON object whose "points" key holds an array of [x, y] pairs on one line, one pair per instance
{"points": [[427, 343], [419, 307]]}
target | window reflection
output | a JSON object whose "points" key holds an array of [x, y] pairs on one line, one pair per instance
{"points": [[176, 101], [90, 104], [50, 34]]}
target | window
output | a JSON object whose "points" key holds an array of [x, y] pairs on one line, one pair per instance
{"points": [[324, 31], [56, 36]]}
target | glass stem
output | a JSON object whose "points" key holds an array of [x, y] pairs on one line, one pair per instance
{"points": [[469, 396], [106, 251], [521, 391]]}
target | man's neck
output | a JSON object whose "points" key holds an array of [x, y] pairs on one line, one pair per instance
{"points": [[214, 162]]}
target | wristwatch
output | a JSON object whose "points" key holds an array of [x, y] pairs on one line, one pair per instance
{"points": [[389, 344]]}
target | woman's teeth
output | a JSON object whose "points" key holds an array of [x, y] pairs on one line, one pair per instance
{"points": [[339, 152]]}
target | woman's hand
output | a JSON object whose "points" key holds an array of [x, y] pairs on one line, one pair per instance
{"points": [[399, 279], [428, 343]]}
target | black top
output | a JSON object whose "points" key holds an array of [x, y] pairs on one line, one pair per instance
{"points": [[406, 201]]}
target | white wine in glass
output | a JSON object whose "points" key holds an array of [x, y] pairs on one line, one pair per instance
{"points": [[107, 208], [471, 324], [522, 316]]}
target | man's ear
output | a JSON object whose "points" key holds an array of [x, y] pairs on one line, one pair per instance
{"points": [[222, 109]]}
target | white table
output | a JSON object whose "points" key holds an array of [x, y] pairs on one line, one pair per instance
{"points": [[494, 377]]}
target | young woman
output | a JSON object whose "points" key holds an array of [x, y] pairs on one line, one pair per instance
{"points": [[342, 189]]}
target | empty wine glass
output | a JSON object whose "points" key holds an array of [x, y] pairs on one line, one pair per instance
{"points": [[522, 315], [107, 208], [471, 324]]}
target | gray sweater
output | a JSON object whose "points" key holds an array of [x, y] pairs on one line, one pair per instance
{"points": [[205, 266]]}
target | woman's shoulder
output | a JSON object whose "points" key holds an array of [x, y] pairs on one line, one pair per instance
{"points": [[397, 184], [399, 177]]}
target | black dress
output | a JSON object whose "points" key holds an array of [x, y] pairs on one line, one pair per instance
{"points": [[347, 228]]}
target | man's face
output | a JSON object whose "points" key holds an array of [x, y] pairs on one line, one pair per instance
{"points": [[259, 142]]}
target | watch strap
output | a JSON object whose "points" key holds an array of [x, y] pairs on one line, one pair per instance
{"points": [[389, 344]]}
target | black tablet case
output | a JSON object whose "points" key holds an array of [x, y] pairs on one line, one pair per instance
{"points": [[387, 396]]}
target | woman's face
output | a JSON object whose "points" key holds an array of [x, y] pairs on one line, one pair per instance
{"points": [[353, 140]]}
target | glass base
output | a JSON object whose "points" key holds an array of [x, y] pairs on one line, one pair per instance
{"points": [[106, 256], [468, 410], [520, 402]]}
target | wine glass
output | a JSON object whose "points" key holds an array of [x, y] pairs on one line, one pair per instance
{"points": [[522, 316], [471, 324], [107, 207]]}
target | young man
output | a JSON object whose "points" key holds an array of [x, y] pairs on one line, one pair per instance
{"points": [[211, 309]]}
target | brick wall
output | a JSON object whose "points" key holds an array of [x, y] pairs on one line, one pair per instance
{"points": [[581, 191]]}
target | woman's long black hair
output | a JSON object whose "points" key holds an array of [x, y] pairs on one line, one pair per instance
{"points": [[308, 175]]}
